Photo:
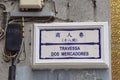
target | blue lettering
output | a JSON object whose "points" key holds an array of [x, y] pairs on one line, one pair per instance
{"points": [[69, 35], [81, 34], [54, 53], [69, 48], [74, 53], [58, 35]]}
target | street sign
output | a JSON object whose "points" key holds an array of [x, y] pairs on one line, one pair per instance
{"points": [[71, 45]]}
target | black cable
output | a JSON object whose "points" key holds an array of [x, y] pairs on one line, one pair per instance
{"points": [[4, 21], [12, 71], [94, 3], [2, 6], [94, 8], [24, 51], [2, 33], [12, 62]]}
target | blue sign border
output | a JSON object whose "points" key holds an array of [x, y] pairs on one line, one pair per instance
{"points": [[72, 29]]}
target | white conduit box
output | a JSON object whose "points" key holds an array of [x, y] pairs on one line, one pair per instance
{"points": [[77, 45], [31, 4]]}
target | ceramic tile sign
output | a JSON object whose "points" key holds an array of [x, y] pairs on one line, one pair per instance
{"points": [[71, 45]]}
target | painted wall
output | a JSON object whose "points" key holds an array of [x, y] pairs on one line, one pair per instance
{"points": [[75, 10]]}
